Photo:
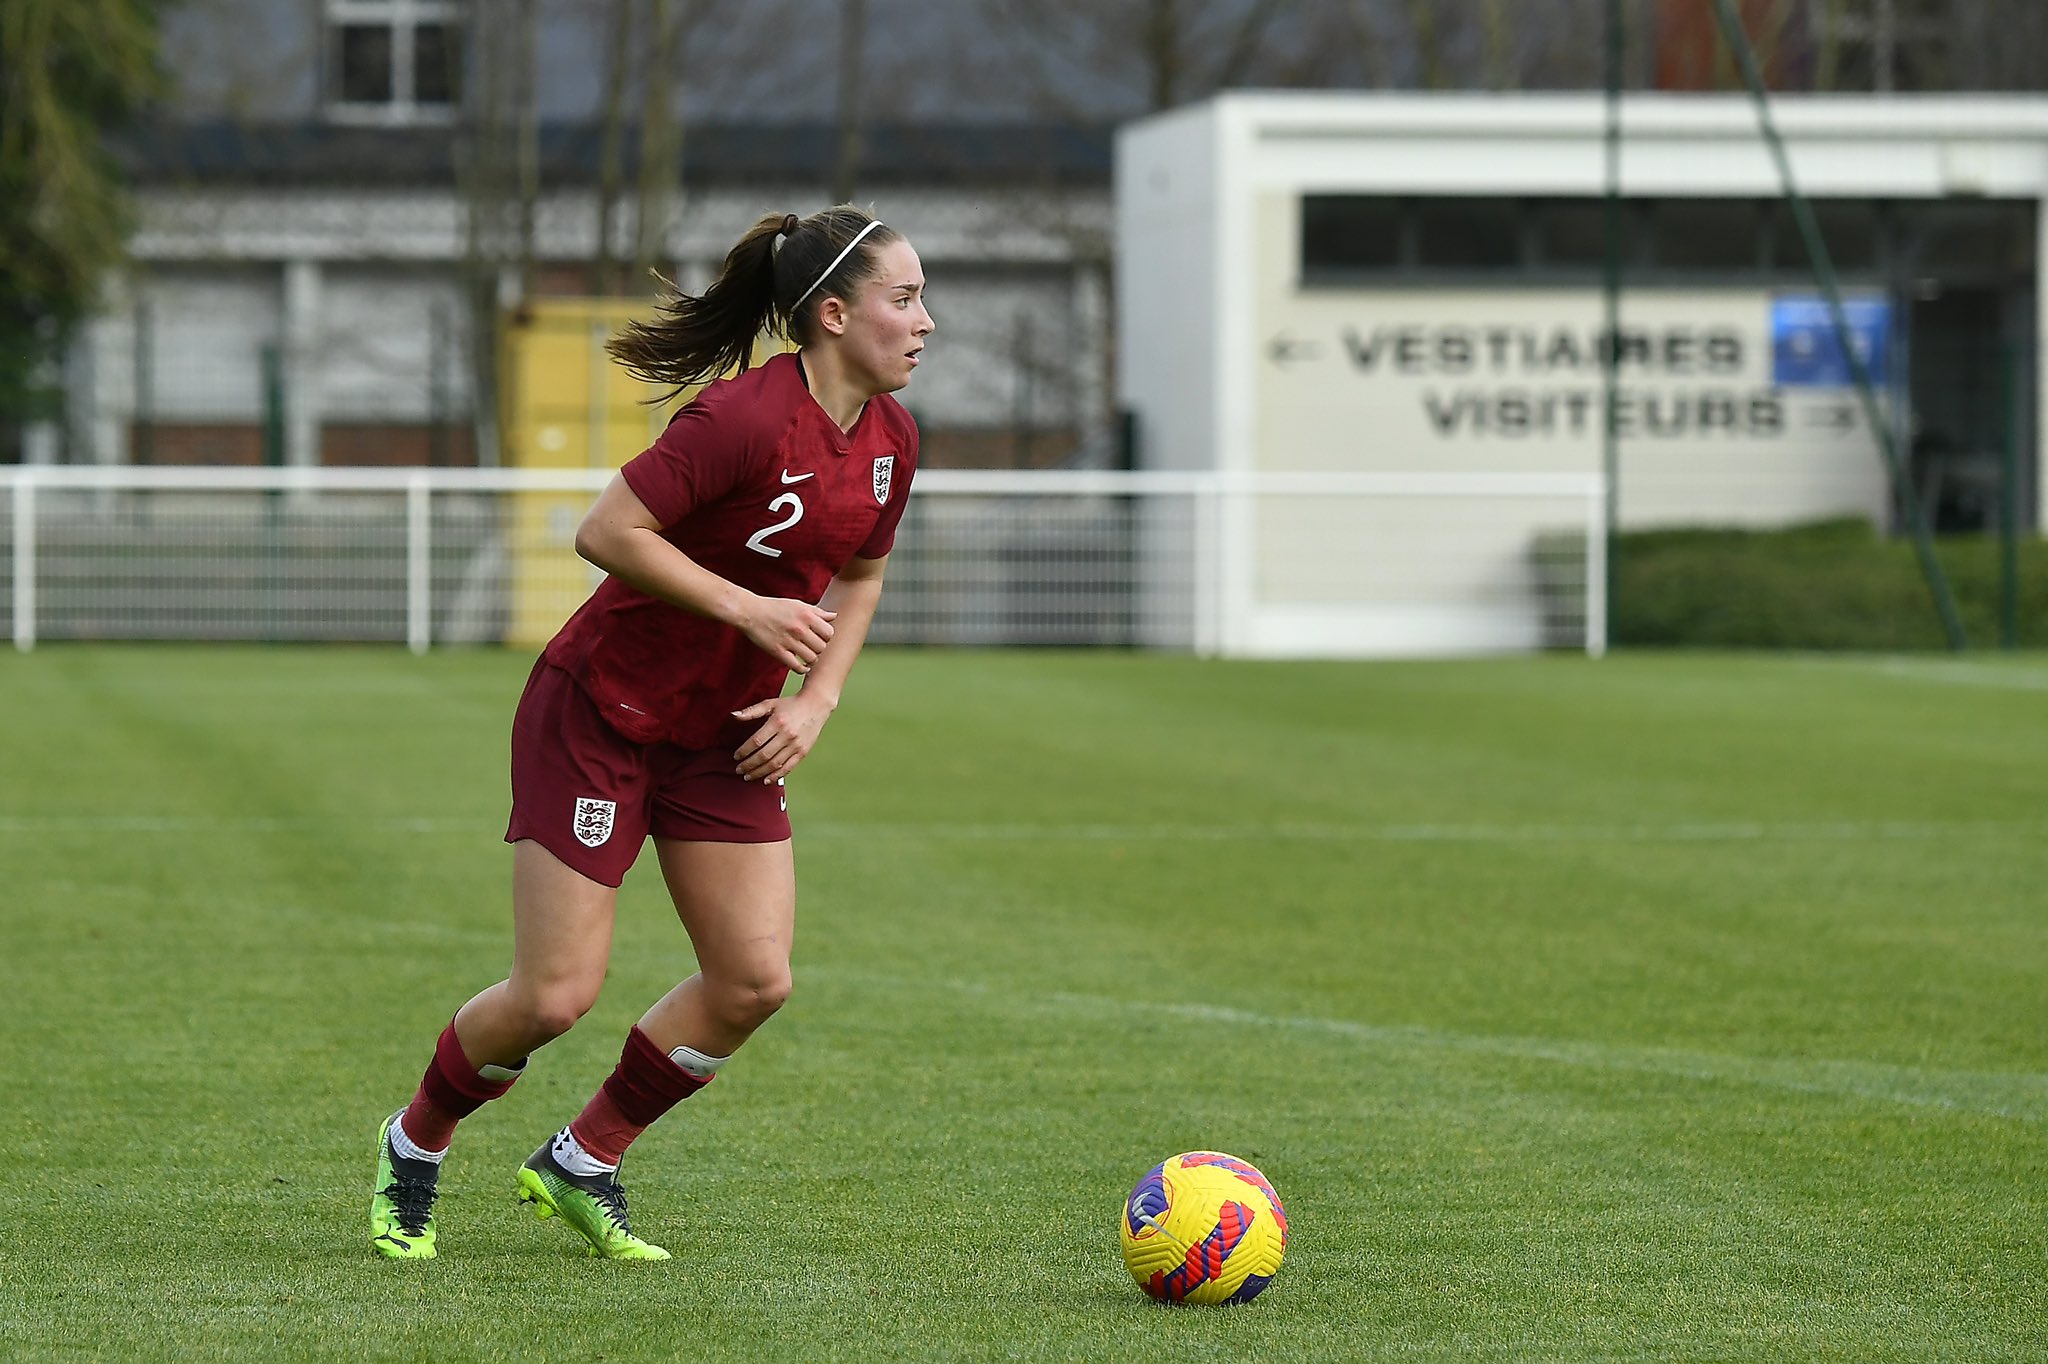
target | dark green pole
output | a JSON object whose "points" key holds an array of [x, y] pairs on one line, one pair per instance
{"points": [[1610, 356], [273, 456], [438, 331], [272, 361], [142, 449], [1831, 290], [2009, 507]]}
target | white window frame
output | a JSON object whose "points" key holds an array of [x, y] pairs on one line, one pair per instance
{"points": [[402, 17]]}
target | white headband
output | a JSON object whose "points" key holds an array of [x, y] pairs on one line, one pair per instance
{"points": [[873, 223]]}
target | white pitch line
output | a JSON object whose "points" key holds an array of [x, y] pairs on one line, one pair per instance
{"points": [[228, 824], [2020, 1096], [1832, 831], [1961, 674], [2017, 1095], [1761, 831]]}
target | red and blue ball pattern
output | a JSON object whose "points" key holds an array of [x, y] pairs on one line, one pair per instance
{"points": [[1203, 1227]]}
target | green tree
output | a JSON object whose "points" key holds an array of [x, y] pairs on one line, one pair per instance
{"points": [[70, 71]]}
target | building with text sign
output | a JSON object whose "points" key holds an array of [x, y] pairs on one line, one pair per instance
{"points": [[1400, 298]]}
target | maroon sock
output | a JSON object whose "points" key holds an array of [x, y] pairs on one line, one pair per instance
{"points": [[450, 1091], [644, 1085]]}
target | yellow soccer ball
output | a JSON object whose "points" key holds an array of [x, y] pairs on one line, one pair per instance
{"points": [[1204, 1227]]}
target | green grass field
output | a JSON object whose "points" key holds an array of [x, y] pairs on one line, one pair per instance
{"points": [[1667, 1007]]}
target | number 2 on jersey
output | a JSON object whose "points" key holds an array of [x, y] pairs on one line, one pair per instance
{"points": [[758, 541]]}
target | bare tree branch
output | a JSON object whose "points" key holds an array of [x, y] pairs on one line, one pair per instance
{"points": [[660, 135], [1828, 64], [1359, 25], [1244, 44], [1502, 69], [526, 131], [1428, 49], [1161, 46], [853, 33], [618, 58]]}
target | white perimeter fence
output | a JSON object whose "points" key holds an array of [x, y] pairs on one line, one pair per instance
{"points": [[1300, 564]]}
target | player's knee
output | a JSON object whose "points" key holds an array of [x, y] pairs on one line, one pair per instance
{"points": [[750, 1001], [773, 995], [552, 1012]]}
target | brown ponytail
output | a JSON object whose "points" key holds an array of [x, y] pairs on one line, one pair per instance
{"points": [[761, 288]]}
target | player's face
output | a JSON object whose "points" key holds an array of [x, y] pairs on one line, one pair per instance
{"points": [[886, 321]]}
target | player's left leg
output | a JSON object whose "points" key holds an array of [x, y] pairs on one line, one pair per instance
{"points": [[738, 903]]}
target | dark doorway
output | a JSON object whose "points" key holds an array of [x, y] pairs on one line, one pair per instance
{"points": [[1961, 348]]}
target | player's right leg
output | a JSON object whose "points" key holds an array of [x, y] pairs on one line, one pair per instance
{"points": [[738, 903], [562, 927]]}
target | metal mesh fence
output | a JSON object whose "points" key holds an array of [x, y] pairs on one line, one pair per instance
{"points": [[1054, 569], [1283, 565], [220, 565], [9, 500]]}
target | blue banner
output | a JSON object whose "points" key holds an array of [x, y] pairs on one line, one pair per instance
{"points": [[1803, 349]]}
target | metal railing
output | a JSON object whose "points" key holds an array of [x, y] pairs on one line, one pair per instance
{"points": [[1303, 564]]}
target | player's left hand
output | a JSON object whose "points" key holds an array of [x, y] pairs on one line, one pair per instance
{"points": [[778, 746]]}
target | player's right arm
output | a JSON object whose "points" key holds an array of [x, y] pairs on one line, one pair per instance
{"points": [[622, 537]]}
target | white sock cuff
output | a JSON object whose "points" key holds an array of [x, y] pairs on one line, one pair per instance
{"points": [[696, 1064], [502, 1075], [404, 1147], [570, 1155]]}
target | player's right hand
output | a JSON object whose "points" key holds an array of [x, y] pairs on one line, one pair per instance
{"points": [[791, 632]]}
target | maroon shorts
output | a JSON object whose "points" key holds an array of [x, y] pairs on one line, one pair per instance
{"points": [[591, 797]]}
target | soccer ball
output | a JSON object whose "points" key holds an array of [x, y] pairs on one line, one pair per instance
{"points": [[1204, 1227]]}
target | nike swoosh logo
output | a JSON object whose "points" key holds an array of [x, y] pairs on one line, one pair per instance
{"points": [[788, 477]]}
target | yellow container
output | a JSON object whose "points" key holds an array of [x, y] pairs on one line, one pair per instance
{"points": [[566, 404]]}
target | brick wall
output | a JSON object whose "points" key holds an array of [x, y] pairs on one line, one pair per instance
{"points": [[396, 443]]}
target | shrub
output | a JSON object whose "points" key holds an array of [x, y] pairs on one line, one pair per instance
{"points": [[1825, 585]]}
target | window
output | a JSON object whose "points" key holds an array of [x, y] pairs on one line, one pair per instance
{"points": [[1468, 234], [1852, 229], [1722, 235], [1572, 233], [436, 53], [1347, 233], [1954, 237], [1353, 238], [393, 61], [364, 54]]}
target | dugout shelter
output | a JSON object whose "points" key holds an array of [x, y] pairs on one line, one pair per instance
{"points": [[1402, 297]]}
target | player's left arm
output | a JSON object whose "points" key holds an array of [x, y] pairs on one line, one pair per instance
{"points": [[791, 724]]}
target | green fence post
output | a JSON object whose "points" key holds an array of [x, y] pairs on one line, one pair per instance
{"points": [[2009, 506], [271, 359], [142, 423], [438, 333]]}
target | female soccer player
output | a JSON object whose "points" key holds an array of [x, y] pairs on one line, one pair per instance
{"points": [[747, 543]]}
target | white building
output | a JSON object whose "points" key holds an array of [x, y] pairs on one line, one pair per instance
{"points": [[1407, 291], [298, 291], [307, 290]]}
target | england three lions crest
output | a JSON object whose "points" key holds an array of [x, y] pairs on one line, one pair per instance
{"points": [[885, 468], [594, 821]]}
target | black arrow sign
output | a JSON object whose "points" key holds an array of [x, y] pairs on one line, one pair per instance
{"points": [[1836, 417], [1285, 350]]}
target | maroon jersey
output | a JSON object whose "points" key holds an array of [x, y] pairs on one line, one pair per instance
{"points": [[755, 483]]}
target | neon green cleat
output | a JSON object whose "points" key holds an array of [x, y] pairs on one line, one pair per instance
{"points": [[402, 1207], [595, 1207]]}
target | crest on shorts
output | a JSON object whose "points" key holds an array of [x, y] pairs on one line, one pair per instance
{"points": [[594, 821], [885, 465]]}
